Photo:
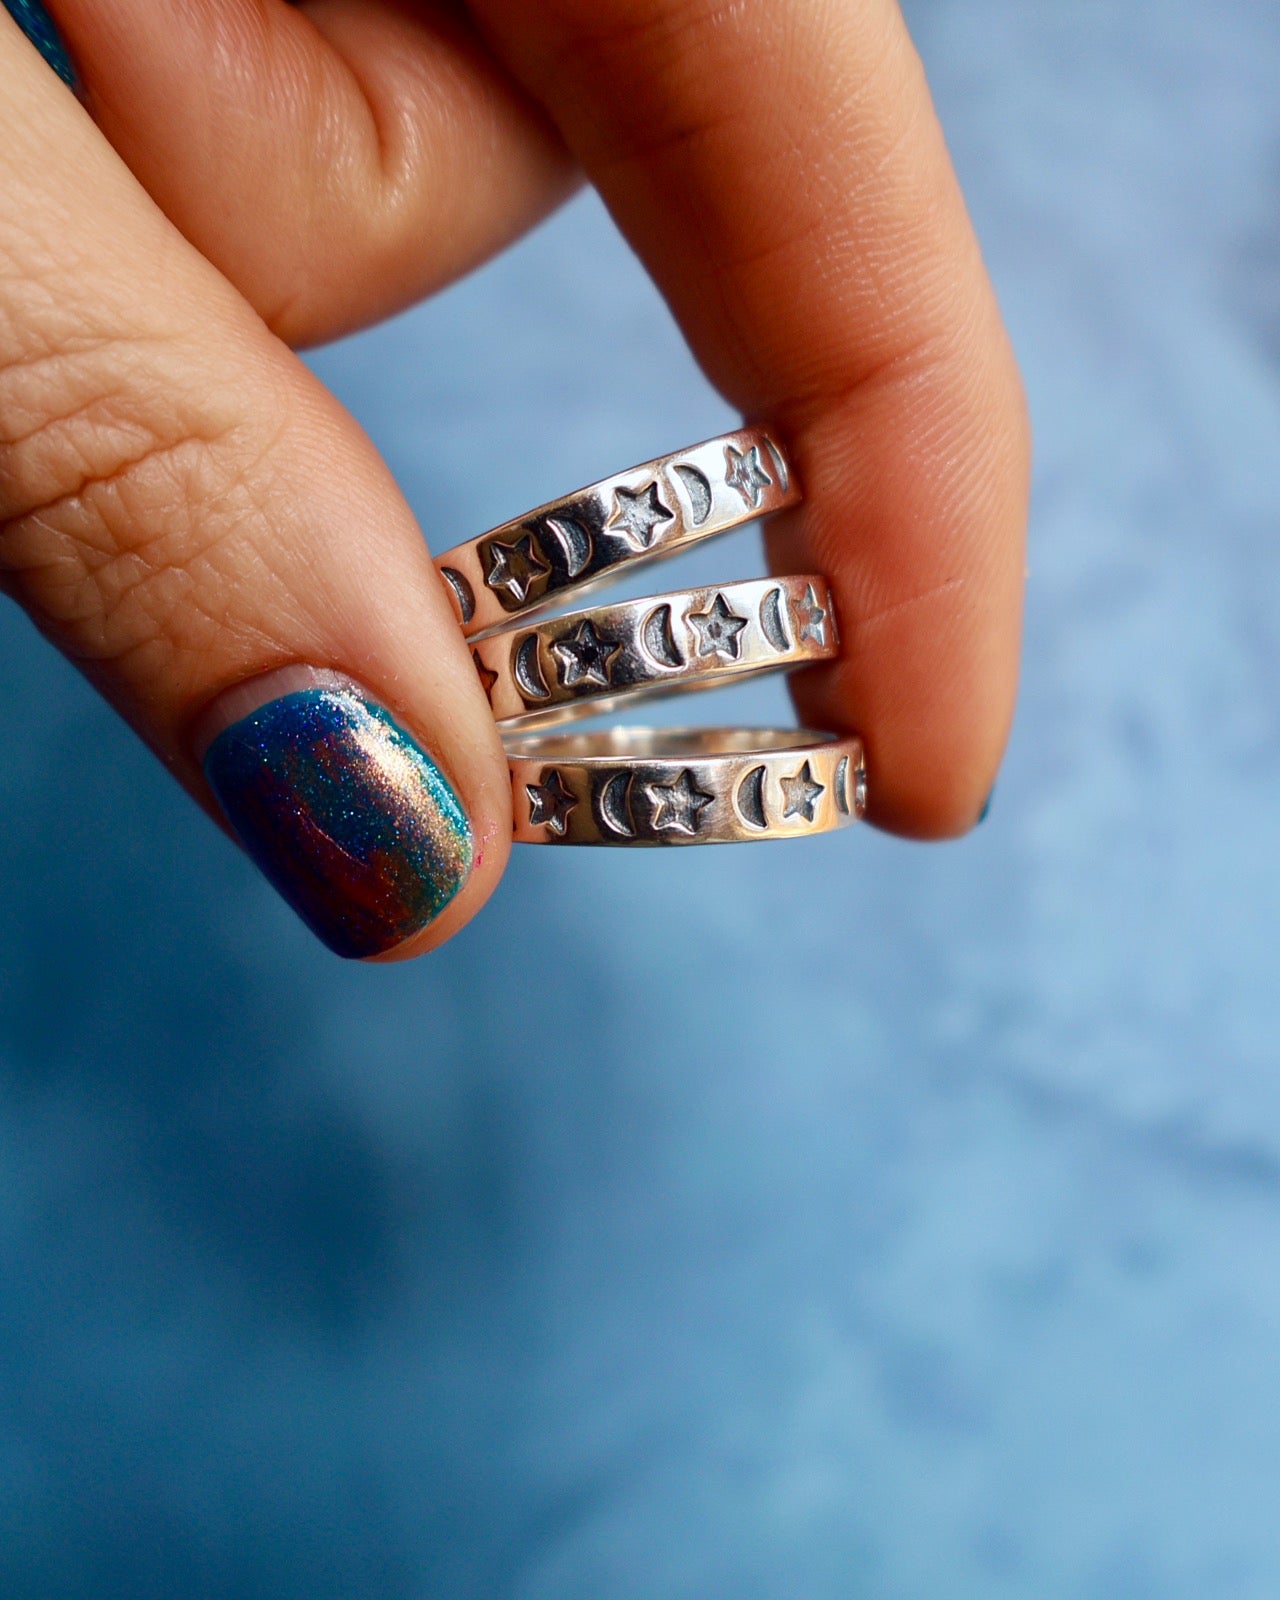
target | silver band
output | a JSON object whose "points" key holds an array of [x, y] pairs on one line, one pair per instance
{"points": [[650, 511], [589, 662], [660, 786]]}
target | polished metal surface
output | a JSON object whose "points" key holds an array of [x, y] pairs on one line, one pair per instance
{"points": [[664, 786], [592, 661], [571, 545]]}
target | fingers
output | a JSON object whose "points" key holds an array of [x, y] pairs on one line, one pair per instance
{"points": [[336, 160], [778, 165], [193, 520]]}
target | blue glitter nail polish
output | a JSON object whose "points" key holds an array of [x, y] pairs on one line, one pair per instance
{"points": [[345, 814], [38, 26], [986, 809]]}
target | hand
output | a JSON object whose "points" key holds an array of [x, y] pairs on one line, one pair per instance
{"points": [[195, 522]]}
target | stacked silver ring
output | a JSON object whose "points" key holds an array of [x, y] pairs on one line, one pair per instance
{"points": [[651, 786]]}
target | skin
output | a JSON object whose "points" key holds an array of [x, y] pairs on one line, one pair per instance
{"points": [[183, 508]]}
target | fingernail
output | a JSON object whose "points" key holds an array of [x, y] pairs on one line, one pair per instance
{"points": [[38, 26], [986, 809], [345, 814]]}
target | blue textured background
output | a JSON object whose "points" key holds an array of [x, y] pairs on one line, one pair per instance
{"points": [[836, 1220]]}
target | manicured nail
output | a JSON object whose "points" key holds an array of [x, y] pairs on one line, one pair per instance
{"points": [[345, 814], [38, 26], [986, 809]]}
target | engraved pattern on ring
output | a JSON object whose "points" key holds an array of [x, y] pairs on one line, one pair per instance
{"points": [[569, 546], [586, 662], [654, 786]]}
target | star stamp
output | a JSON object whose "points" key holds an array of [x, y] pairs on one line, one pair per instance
{"points": [[678, 806], [637, 516], [586, 658], [717, 630], [812, 618], [517, 568], [551, 803], [801, 794], [744, 471]]}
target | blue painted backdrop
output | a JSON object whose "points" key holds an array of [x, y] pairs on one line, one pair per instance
{"points": [[838, 1220]]}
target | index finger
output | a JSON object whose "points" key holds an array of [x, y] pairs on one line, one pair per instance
{"points": [[778, 165]]}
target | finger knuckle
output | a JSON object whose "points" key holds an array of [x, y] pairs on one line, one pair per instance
{"points": [[651, 60], [123, 472]]}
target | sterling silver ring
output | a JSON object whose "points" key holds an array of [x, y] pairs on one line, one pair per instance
{"points": [[667, 786], [593, 661], [648, 512]]}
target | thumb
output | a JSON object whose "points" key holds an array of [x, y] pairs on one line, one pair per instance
{"points": [[197, 524]]}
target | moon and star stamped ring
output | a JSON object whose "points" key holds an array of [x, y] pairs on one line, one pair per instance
{"points": [[652, 786], [658, 509], [677, 786], [593, 661]]}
